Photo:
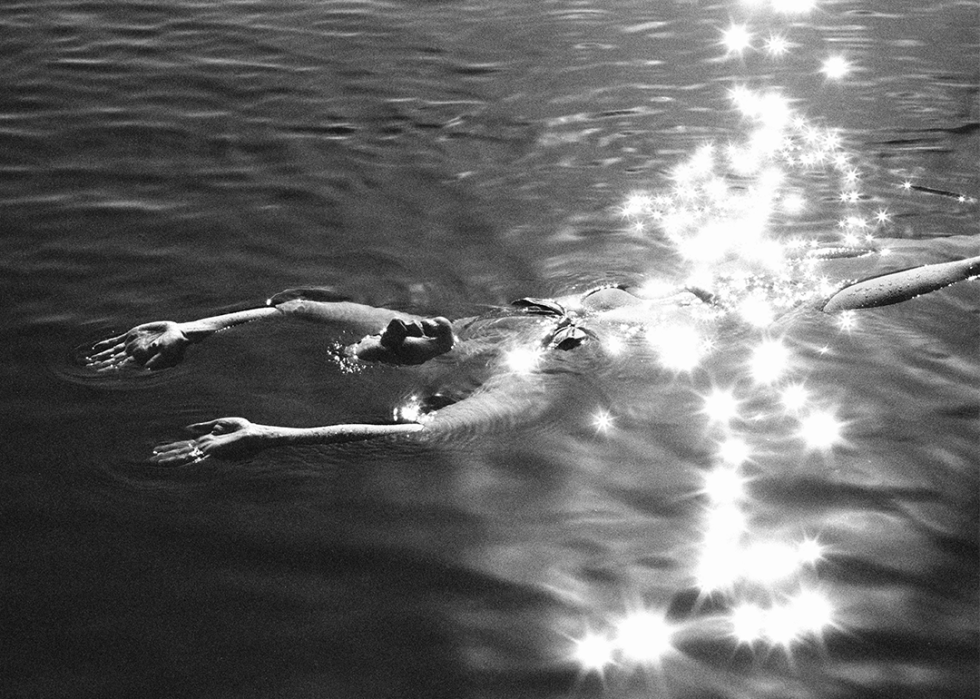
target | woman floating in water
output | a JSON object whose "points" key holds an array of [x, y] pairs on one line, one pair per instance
{"points": [[396, 338]]}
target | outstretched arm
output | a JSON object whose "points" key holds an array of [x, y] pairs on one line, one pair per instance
{"points": [[393, 337], [161, 344], [895, 287], [236, 438], [507, 399]]}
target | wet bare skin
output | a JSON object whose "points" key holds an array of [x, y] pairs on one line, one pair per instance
{"points": [[157, 345], [237, 438], [162, 344], [413, 340], [403, 343]]}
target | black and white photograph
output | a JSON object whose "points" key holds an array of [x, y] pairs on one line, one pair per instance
{"points": [[490, 349]]}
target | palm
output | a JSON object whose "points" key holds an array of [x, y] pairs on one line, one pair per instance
{"points": [[156, 345], [224, 438]]}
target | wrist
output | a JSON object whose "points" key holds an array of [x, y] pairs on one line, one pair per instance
{"points": [[268, 435], [195, 331]]}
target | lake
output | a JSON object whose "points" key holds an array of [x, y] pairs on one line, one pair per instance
{"points": [[788, 508]]}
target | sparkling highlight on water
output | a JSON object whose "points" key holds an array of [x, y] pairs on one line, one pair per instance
{"points": [[523, 360], [835, 67], [723, 213]]}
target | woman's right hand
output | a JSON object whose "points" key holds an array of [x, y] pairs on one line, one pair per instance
{"points": [[157, 345]]}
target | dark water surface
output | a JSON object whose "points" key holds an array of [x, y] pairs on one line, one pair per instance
{"points": [[171, 160]]}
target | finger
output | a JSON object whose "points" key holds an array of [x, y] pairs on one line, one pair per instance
{"points": [[117, 348], [103, 344], [173, 451], [111, 354], [177, 459], [116, 365], [115, 339], [178, 453], [168, 458], [104, 357], [108, 344], [180, 445]]}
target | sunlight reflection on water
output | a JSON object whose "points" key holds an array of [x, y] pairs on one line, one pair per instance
{"points": [[787, 509]]}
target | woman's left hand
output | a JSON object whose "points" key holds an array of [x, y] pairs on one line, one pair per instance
{"points": [[224, 438]]}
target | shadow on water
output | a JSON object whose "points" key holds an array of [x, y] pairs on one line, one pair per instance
{"points": [[239, 580]]}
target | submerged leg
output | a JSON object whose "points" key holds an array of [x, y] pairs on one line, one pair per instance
{"points": [[895, 287]]}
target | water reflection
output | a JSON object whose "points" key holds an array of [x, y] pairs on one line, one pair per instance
{"points": [[758, 586], [181, 157]]}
